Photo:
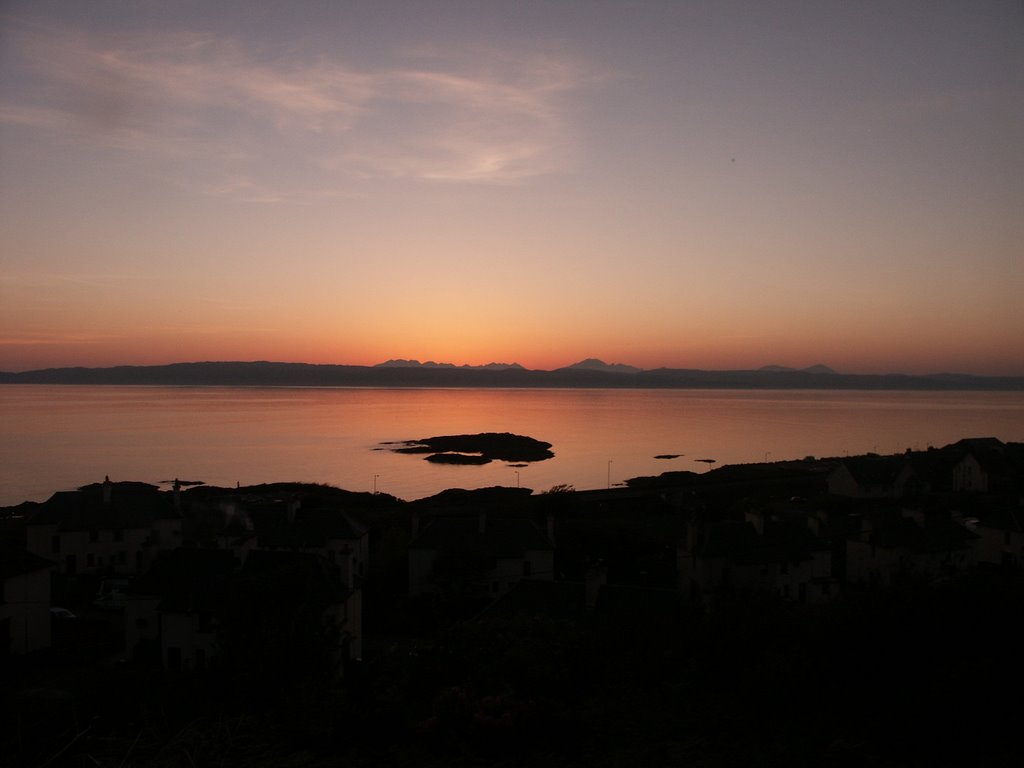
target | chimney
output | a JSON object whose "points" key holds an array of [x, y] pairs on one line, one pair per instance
{"points": [[107, 490]]}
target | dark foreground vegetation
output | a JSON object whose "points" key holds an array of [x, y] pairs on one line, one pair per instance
{"points": [[909, 677]]}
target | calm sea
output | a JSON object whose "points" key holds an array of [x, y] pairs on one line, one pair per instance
{"points": [[57, 438]]}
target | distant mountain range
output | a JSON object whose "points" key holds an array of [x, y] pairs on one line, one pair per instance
{"points": [[589, 373], [783, 369], [431, 364]]}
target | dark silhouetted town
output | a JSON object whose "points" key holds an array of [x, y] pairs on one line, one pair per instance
{"points": [[819, 611]]}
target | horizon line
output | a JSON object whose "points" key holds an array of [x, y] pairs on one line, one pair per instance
{"points": [[587, 364]]}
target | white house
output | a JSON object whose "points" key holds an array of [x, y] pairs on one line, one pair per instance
{"points": [[105, 528]]}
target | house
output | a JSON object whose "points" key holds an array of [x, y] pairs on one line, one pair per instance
{"points": [[1001, 537], [987, 465], [315, 527], [775, 554], [477, 556], [24, 602], [876, 477], [194, 606], [105, 528], [891, 547], [173, 613]]}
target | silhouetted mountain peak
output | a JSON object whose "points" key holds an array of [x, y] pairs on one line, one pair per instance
{"points": [[593, 364], [501, 367]]}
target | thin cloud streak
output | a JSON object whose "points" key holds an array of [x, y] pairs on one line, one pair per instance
{"points": [[215, 100]]}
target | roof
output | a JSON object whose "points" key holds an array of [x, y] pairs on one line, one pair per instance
{"points": [[978, 444], [501, 537], [18, 562], [128, 505], [276, 525], [872, 471]]}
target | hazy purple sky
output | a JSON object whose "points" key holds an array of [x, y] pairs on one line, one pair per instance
{"points": [[713, 185]]}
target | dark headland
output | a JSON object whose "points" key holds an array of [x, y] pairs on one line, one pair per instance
{"points": [[586, 374]]}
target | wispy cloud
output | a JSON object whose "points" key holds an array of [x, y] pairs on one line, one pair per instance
{"points": [[267, 127]]}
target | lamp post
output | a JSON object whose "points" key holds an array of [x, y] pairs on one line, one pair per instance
{"points": [[609, 473], [375, 484], [517, 478]]}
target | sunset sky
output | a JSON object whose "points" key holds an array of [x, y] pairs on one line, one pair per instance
{"points": [[681, 184]]}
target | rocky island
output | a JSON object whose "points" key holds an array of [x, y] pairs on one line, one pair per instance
{"points": [[481, 448]]}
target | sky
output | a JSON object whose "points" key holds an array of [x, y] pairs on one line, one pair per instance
{"points": [[719, 185]]}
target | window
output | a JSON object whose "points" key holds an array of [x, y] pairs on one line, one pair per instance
{"points": [[122, 557], [94, 535], [90, 560], [527, 568], [118, 534]]}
